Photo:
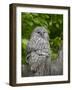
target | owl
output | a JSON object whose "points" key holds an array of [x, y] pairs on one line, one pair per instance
{"points": [[39, 53]]}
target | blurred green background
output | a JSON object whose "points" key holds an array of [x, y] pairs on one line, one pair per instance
{"points": [[52, 22]]}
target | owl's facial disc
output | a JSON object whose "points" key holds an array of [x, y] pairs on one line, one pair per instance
{"points": [[41, 32]]}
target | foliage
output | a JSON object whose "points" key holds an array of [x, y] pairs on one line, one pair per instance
{"points": [[52, 22]]}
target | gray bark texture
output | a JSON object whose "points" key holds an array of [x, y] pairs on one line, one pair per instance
{"points": [[57, 65], [39, 56]]}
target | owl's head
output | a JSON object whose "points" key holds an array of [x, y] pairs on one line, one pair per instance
{"points": [[41, 32]]}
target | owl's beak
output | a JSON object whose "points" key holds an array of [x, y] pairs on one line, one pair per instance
{"points": [[42, 35]]}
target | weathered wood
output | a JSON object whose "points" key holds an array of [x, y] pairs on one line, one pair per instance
{"points": [[26, 71], [57, 65]]}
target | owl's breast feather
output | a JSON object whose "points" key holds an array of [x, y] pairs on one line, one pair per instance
{"points": [[41, 52]]}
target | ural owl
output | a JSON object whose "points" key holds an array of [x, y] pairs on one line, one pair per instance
{"points": [[39, 53]]}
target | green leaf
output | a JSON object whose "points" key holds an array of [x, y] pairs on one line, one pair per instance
{"points": [[24, 43]]}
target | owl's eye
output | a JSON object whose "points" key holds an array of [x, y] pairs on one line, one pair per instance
{"points": [[38, 32]]}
